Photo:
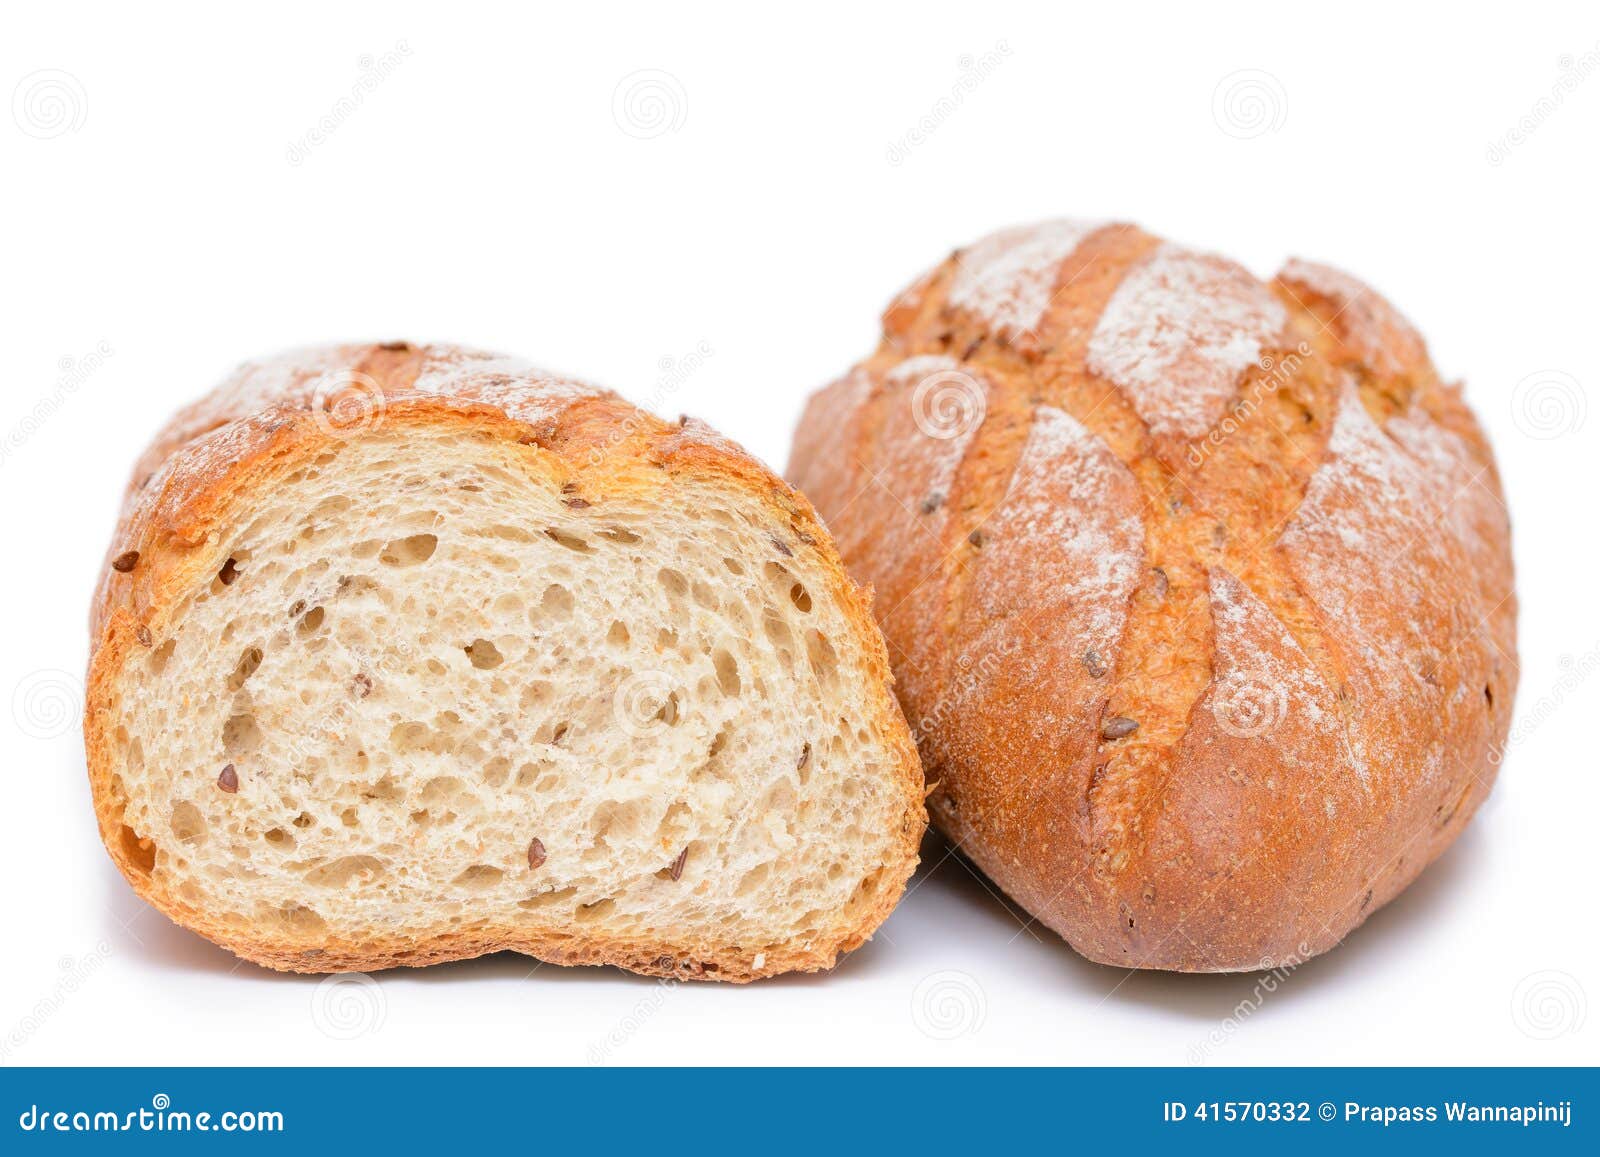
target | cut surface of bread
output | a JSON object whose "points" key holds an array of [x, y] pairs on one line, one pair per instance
{"points": [[1199, 586], [590, 687]]}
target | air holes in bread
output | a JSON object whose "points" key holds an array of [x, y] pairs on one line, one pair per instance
{"points": [[406, 722], [480, 877], [409, 551], [240, 735], [140, 853], [823, 658], [160, 656], [188, 825], [673, 583], [727, 669], [246, 667], [569, 540], [346, 871], [556, 603]]}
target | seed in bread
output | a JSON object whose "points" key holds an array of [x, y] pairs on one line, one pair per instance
{"points": [[407, 653], [1198, 586]]}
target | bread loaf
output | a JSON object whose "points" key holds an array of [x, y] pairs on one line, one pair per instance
{"points": [[1198, 588], [405, 654]]}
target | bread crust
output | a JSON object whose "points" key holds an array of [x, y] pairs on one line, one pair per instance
{"points": [[1198, 587], [273, 417]]}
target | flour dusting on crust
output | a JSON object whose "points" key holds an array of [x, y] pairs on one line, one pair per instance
{"points": [[1177, 334], [947, 414], [1068, 536], [520, 390], [331, 377], [1353, 530], [254, 387], [1372, 328], [1009, 277], [1262, 680], [1379, 516], [1070, 704]]}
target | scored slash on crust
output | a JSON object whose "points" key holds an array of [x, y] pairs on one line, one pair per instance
{"points": [[1138, 345]]}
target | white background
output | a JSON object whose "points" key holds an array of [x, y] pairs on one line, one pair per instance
{"points": [[494, 189]]}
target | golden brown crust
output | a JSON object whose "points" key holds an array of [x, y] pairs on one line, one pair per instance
{"points": [[1230, 735], [273, 417]]}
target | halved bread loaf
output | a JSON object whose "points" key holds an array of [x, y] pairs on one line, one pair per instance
{"points": [[1198, 586], [406, 654]]}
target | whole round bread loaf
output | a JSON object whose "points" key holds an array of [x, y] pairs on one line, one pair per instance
{"points": [[411, 653], [1198, 587]]}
